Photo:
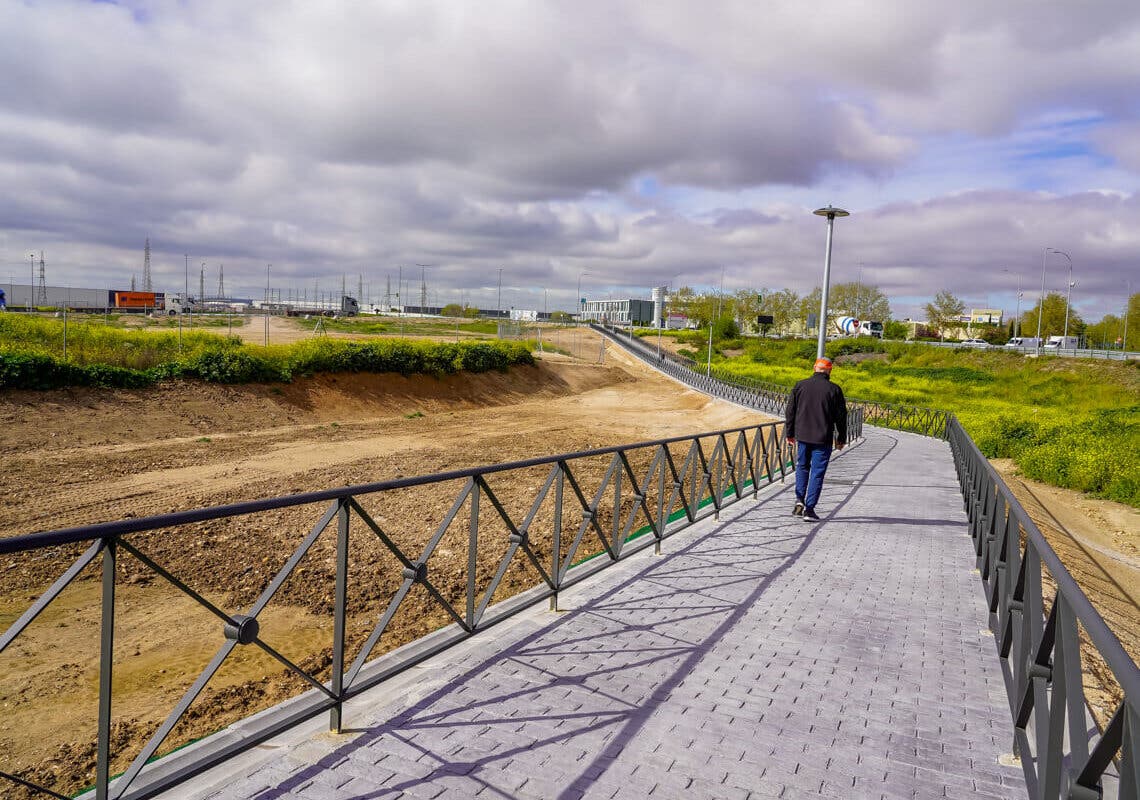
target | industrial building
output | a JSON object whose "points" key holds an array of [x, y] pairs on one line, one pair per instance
{"points": [[619, 312]]}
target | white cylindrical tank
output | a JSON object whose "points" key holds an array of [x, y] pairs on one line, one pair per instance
{"points": [[659, 305]]}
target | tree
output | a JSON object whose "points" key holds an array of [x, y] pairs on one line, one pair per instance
{"points": [[452, 310], [1103, 334], [945, 311], [1052, 320], [809, 304], [747, 304], [859, 300], [894, 330], [784, 307]]}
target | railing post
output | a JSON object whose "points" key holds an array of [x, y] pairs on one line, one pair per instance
{"points": [[661, 520], [472, 552], [340, 611], [556, 551], [106, 662]]}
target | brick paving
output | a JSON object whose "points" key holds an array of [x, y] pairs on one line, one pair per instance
{"points": [[758, 657]]}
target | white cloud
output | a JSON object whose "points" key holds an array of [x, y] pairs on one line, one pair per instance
{"points": [[637, 140]]}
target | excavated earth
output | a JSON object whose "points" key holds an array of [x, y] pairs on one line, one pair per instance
{"points": [[79, 457]]}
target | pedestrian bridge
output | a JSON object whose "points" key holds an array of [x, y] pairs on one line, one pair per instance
{"points": [[921, 640], [757, 656]]}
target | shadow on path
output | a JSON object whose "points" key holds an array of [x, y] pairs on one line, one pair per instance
{"points": [[591, 679]]}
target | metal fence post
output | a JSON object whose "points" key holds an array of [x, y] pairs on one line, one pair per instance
{"points": [[340, 612], [106, 661], [556, 546]]}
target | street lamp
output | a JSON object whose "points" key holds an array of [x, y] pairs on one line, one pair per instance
{"points": [[499, 302], [661, 321], [32, 284], [578, 311], [1041, 301], [1068, 289], [831, 213], [1016, 314]]}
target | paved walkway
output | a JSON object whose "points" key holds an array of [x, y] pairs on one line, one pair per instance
{"points": [[759, 657]]}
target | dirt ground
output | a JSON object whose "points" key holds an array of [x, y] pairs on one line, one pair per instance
{"points": [[82, 456]]}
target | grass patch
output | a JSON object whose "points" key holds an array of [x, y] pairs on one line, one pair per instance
{"points": [[31, 356], [1073, 423]]}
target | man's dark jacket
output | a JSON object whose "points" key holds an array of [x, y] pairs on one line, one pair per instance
{"points": [[817, 412]]}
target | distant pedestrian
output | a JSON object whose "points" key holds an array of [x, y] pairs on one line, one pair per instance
{"points": [[814, 422]]}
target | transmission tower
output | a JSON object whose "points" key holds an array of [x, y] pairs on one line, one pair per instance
{"points": [[360, 289], [42, 298], [221, 281], [423, 285], [132, 283], [202, 284], [146, 266], [388, 294]]}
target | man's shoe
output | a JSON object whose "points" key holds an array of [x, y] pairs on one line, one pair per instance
{"points": [[798, 509], [809, 515]]}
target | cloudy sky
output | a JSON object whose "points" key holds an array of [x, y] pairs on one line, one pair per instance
{"points": [[615, 144]]}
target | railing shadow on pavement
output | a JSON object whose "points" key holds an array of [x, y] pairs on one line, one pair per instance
{"points": [[702, 572]]}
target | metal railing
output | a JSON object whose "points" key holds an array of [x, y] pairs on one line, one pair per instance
{"points": [[1040, 645], [668, 484]]}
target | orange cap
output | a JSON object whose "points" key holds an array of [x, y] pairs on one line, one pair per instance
{"points": [[823, 363]]}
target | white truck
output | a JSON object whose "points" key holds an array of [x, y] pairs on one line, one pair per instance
{"points": [[177, 304], [1023, 341], [1063, 343]]}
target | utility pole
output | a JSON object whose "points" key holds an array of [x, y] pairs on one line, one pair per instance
{"points": [[43, 281], [499, 302], [221, 282], [423, 286], [267, 267], [146, 267]]}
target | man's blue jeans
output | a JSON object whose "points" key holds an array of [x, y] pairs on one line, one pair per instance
{"points": [[811, 466]]}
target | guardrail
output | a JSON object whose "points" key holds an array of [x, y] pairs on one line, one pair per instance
{"points": [[1068, 352], [555, 530], [1040, 646]]}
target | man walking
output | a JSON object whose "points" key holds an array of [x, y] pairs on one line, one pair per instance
{"points": [[815, 418]]}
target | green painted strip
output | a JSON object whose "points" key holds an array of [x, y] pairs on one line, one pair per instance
{"points": [[676, 515]]}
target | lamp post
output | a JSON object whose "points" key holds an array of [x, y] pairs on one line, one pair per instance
{"points": [[1041, 301], [708, 367], [1068, 289], [1127, 308], [1016, 314], [499, 302], [32, 282], [831, 213], [661, 321], [578, 311]]}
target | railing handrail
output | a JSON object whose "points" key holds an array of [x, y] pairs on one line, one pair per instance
{"points": [[102, 530]]}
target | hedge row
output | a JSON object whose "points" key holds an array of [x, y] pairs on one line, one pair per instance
{"points": [[30, 370]]}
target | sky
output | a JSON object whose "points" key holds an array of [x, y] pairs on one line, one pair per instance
{"points": [[606, 145]]}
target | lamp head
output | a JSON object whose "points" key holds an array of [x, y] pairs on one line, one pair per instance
{"points": [[831, 212]]}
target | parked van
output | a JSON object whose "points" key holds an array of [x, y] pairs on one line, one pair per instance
{"points": [[1023, 341]]}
